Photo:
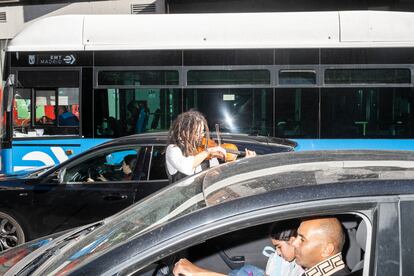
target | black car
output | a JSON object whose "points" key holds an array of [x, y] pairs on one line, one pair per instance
{"points": [[92, 186], [219, 219]]}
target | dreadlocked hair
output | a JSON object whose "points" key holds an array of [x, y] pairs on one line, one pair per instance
{"points": [[183, 132]]}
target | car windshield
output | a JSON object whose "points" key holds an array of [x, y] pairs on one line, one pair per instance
{"points": [[170, 203]]}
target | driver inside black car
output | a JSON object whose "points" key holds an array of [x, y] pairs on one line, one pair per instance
{"points": [[128, 165]]}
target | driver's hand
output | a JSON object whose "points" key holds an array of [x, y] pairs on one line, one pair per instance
{"points": [[102, 178], [186, 268], [89, 180]]}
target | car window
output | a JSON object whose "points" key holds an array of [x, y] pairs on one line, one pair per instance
{"points": [[255, 249], [157, 169], [106, 166]]}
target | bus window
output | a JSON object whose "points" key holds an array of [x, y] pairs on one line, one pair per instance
{"points": [[227, 77], [45, 107], [297, 77], [138, 77], [367, 76], [57, 112], [367, 113], [68, 107], [296, 112], [22, 110], [120, 112], [244, 110]]}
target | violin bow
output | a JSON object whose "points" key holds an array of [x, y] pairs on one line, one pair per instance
{"points": [[218, 134]]}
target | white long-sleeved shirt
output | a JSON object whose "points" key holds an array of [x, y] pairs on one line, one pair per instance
{"points": [[177, 162]]}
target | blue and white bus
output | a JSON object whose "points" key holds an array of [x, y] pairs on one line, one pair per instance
{"points": [[326, 79]]}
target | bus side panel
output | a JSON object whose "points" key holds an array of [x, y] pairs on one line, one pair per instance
{"points": [[31, 154], [355, 144], [6, 161]]}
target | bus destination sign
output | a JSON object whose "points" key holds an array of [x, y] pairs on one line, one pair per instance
{"points": [[51, 59]]}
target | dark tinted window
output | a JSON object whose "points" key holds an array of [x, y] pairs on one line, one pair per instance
{"points": [[296, 56], [153, 77], [297, 77], [236, 110], [407, 247], [228, 57], [157, 170], [367, 113], [48, 79], [367, 56], [138, 58], [120, 112], [296, 112], [367, 76], [220, 77]]}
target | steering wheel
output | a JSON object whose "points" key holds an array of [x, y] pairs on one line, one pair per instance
{"points": [[92, 173], [166, 266]]}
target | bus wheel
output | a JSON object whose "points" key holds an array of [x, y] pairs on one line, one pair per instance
{"points": [[11, 233]]}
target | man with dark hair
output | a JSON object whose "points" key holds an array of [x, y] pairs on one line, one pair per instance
{"points": [[318, 247]]}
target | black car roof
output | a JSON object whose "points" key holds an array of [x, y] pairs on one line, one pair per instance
{"points": [[163, 135], [287, 170]]}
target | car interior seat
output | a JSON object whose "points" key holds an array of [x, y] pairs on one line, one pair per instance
{"points": [[351, 248], [361, 237]]}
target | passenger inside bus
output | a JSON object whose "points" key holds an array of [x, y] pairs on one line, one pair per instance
{"points": [[44, 120], [138, 117], [66, 118], [109, 127]]}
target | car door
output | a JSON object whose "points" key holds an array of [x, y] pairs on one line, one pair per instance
{"points": [[153, 176], [92, 188]]}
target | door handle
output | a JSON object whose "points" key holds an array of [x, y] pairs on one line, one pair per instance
{"points": [[234, 262], [115, 196]]}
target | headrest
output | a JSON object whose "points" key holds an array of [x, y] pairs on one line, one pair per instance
{"points": [[361, 234]]}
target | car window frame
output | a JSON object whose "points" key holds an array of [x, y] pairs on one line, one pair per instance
{"points": [[52, 178], [150, 166]]}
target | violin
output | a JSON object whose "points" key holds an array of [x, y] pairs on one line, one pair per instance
{"points": [[232, 152]]}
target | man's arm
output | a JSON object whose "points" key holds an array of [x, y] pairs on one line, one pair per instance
{"points": [[186, 268]]}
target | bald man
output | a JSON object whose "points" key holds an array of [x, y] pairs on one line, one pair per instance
{"points": [[318, 247]]}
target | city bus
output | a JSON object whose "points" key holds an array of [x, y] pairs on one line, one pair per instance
{"points": [[328, 80]]}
